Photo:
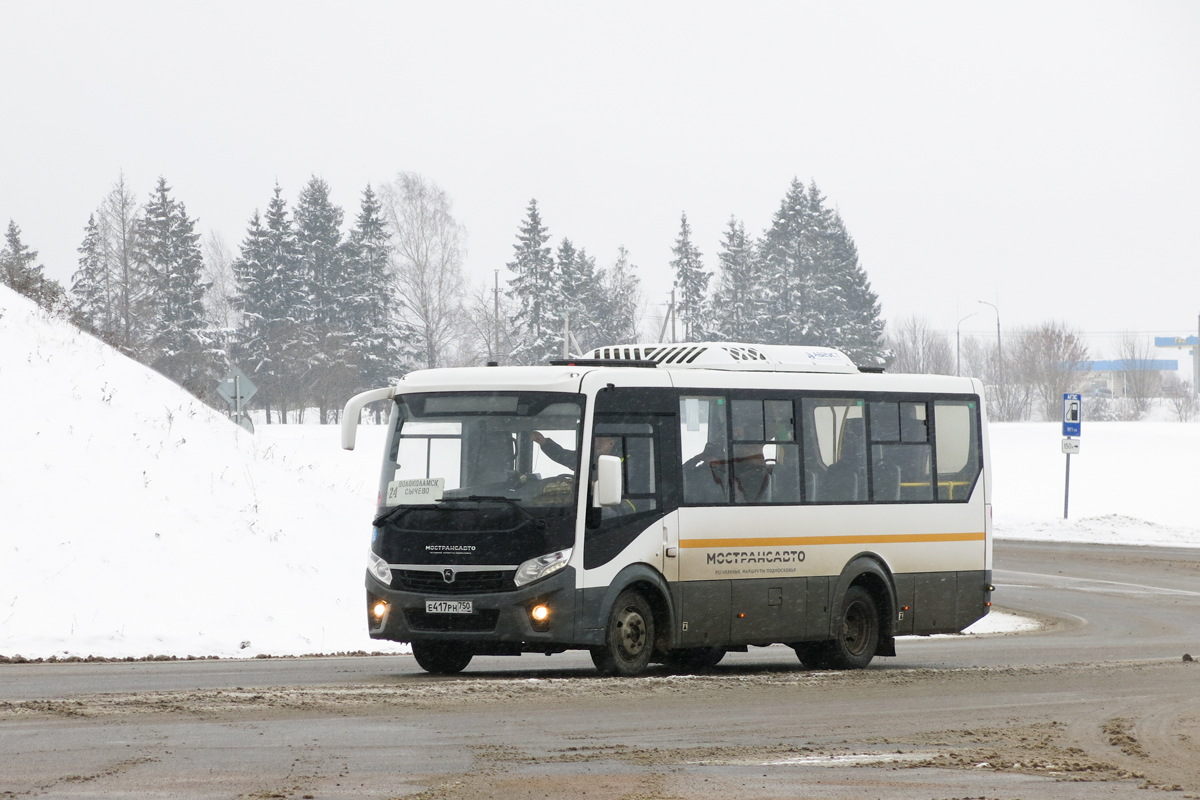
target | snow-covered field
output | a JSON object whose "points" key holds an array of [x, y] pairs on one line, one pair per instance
{"points": [[136, 521]]}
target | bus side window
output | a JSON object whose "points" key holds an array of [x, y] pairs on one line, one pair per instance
{"points": [[956, 432], [766, 462], [704, 449], [900, 452], [835, 452]]}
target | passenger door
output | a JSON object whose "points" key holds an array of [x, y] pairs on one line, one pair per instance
{"points": [[636, 439]]}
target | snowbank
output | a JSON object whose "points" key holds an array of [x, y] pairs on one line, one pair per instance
{"points": [[1132, 483], [138, 521]]}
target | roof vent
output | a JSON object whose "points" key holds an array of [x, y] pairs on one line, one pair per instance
{"points": [[732, 356]]}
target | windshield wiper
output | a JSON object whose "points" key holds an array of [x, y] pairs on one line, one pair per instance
{"points": [[489, 498], [394, 514]]}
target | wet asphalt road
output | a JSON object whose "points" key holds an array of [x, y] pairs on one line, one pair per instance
{"points": [[1107, 669]]}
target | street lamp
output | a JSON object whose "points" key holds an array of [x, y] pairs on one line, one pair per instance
{"points": [[958, 343], [999, 352]]}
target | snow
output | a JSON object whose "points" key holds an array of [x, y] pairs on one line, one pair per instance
{"points": [[1132, 483], [136, 521]]}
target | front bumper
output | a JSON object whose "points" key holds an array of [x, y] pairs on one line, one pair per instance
{"points": [[500, 621]]}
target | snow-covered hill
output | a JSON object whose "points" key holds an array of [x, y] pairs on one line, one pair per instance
{"points": [[134, 520]]}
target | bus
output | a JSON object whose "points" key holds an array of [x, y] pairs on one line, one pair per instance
{"points": [[672, 503]]}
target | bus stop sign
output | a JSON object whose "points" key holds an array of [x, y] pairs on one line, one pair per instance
{"points": [[1072, 414]]}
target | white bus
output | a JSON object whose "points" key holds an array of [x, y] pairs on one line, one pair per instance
{"points": [[671, 503]]}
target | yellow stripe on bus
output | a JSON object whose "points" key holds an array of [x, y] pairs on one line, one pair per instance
{"points": [[810, 540]]}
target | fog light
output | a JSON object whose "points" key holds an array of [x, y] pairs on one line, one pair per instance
{"points": [[379, 610], [540, 613]]}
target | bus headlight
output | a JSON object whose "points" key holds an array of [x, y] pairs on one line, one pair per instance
{"points": [[378, 568], [538, 568]]}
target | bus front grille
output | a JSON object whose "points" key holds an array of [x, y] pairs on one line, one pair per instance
{"points": [[431, 582], [483, 621]]}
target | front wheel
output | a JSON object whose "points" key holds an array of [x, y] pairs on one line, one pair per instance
{"points": [[442, 658], [628, 637]]}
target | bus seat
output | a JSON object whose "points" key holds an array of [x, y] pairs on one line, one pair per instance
{"points": [[885, 480], [496, 457]]}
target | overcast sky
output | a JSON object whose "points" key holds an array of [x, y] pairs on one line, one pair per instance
{"points": [[1044, 157]]}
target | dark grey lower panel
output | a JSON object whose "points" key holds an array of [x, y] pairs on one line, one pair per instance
{"points": [[947, 602]]}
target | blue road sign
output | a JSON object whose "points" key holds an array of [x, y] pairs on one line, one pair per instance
{"points": [[1072, 414]]}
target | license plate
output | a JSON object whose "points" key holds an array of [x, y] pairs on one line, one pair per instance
{"points": [[449, 607]]}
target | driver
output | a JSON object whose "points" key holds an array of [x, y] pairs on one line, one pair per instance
{"points": [[605, 445]]}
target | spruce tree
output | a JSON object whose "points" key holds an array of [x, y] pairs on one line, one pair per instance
{"points": [[378, 338], [583, 295], [169, 253], [535, 290], [739, 296], [321, 259], [94, 290], [849, 310], [787, 270], [273, 344], [19, 271], [622, 309], [691, 283]]}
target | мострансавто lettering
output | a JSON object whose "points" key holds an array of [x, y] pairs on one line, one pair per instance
{"points": [[757, 557]]}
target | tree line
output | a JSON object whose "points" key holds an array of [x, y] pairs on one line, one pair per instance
{"points": [[1028, 370], [315, 307], [799, 283]]}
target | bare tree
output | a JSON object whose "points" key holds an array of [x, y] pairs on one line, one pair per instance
{"points": [[118, 217], [1179, 395], [489, 334], [1052, 357], [917, 348], [220, 299], [1009, 385], [427, 252], [1141, 383]]}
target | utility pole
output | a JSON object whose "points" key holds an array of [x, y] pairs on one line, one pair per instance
{"points": [[496, 318], [958, 343], [673, 338]]}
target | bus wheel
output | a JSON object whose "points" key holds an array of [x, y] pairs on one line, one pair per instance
{"points": [[814, 655], [628, 637], [858, 632], [442, 658], [693, 658]]}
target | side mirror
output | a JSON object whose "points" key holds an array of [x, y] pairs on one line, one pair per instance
{"points": [[354, 407], [608, 481]]}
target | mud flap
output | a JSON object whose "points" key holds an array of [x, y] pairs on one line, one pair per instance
{"points": [[886, 647]]}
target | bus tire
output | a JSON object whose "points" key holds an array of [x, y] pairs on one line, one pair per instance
{"points": [[628, 637], [442, 658], [857, 632], [695, 658], [812, 654]]}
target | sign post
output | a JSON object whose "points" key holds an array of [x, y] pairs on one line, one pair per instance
{"points": [[1072, 428], [237, 389]]}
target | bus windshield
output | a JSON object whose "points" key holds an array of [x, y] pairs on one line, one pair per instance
{"points": [[474, 447]]}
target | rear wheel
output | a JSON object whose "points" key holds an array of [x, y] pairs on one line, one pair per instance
{"points": [[857, 637], [858, 631], [442, 658], [694, 658], [812, 654], [628, 636]]}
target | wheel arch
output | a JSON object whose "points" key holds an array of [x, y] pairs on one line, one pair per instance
{"points": [[653, 586], [871, 572]]}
